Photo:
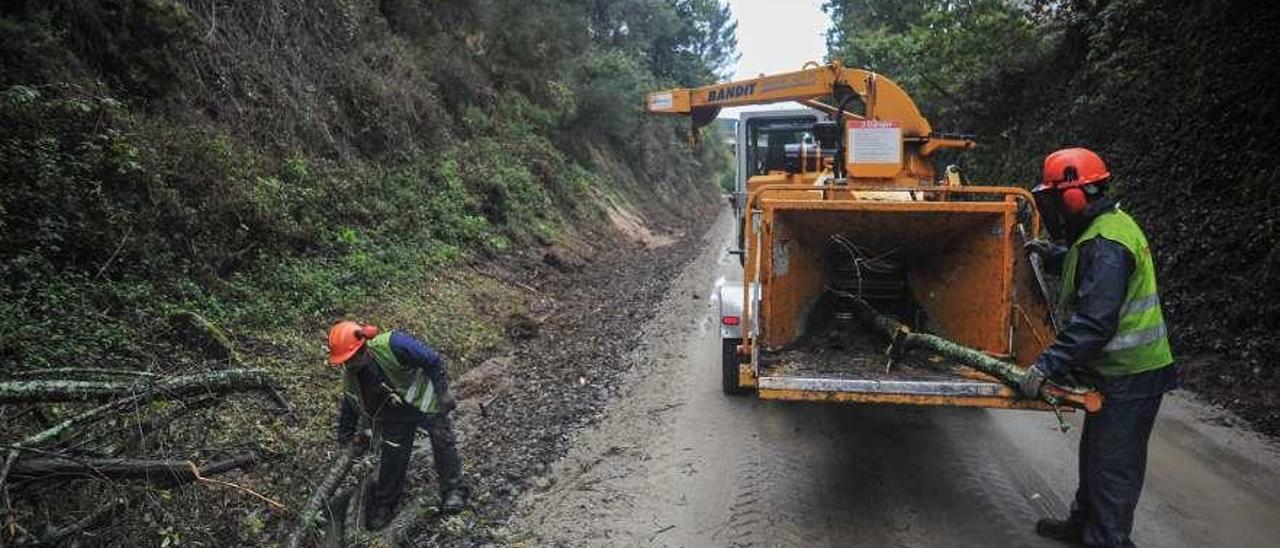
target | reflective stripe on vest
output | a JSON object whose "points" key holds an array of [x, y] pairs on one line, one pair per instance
{"points": [[1135, 339], [1141, 341], [410, 385], [1141, 304]]}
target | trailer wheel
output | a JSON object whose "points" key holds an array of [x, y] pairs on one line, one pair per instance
{"points": [[729, 366]]}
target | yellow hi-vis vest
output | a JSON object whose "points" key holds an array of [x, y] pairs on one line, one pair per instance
{"points": [[1141, 342], [408, 385]]}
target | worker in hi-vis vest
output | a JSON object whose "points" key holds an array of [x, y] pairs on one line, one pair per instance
{"points": [[1114, 338], [393, 383]]}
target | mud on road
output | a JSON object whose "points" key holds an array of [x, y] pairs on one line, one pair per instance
{"points": [[673, 462]]}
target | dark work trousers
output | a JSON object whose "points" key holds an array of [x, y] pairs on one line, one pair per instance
{"points": [[1113, 461], [397, 445]]}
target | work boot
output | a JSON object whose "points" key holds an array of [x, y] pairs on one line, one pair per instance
{"points": [[454, 502], [1066, 530]]}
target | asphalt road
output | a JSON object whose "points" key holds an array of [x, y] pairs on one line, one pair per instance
{"points": [[674, 462]]}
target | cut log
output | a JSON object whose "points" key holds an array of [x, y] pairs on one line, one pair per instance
{"points": [[163, 472], [64, 390], [903, 338], [337, 471]]}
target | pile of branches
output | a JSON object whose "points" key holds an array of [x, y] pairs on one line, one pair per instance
{"points": [[102, 442]]}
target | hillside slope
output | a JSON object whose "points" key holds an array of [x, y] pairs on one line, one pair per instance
{"points": [[195, 185]]}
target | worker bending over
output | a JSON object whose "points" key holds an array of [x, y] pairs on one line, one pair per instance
{"points": [[393, 383], [1115, 339]]}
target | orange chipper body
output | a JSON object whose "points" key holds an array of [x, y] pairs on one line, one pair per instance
{"points": [[868, 219]]}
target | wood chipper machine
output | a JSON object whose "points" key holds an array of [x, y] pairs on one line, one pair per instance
{"points": [[866, 278]]}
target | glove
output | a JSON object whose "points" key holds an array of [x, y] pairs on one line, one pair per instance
{"points": [[1033, 381], [1043, 248], [447, 402]]}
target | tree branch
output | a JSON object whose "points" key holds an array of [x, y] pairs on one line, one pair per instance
{"points": [[67, 390], [338, 470], [163, 472], [87, 371], [255, 378], [903, 338], [137, 432], [55, 536]]}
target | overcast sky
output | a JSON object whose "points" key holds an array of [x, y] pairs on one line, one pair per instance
{"points": [[777, 36]]}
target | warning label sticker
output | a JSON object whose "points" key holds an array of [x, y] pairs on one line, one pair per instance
{"points": [[875, 142], [661, 101]]}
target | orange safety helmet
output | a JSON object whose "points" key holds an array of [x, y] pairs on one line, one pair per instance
{"points": [[346, 338], [1069, 170]]}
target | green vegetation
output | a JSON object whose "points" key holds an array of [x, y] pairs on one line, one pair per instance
{"points": [[1178, 97], [128, 226], [190, 165], [934, 48], [273, 166]]}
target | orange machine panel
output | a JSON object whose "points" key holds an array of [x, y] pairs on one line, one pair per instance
{"points": [[1031, 329]]}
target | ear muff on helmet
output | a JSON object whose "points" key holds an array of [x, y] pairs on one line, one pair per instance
{"points": [[367, 332], [1074, 200]]}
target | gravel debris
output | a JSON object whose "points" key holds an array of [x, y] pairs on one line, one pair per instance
{"points": [[517, 413]]}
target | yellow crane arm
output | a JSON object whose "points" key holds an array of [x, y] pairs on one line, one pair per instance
{"points": [[883, 98]]}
